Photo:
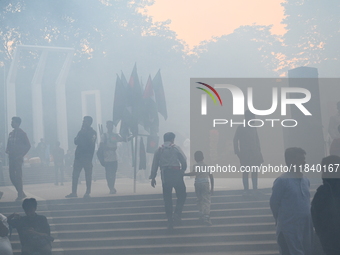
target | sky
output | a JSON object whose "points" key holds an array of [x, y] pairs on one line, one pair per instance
{"points": [[198, 20]]}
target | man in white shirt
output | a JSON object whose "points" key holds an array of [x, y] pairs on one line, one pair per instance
{"points": [[109, 142]]}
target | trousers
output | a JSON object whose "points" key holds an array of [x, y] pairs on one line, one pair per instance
{"points": [[202, 191], [173, 179], [110, 171], [78, 165], [15, 173], [246, 181]]}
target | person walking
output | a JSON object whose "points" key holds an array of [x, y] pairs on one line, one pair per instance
{"points": [[203, 188], [172, 163]]}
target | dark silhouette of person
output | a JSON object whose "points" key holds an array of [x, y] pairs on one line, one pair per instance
{"points": [[335, 145], [290, 205], [85, 141], [334, 122], [326, 206], [172, 162], [2, 162], [109, 142], [248, 149], [41, 149], [17, 147], [58, 158], [33, 229]]}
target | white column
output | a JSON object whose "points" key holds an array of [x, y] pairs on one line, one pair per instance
{"points": [[61, 102], [84, 102], [62, 117], [98, 117], [37, 104], [11, 105]]}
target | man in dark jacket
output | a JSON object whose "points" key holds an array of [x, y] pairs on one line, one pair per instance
{"points": [[85, 141], [326, 206], [33, 229], [172, 162], [17, 147]]}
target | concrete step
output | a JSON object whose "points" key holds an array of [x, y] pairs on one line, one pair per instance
{"points": [[80, 207], [136, 225], [228, 248], [154, 209], [247, 247], [158, 223], [121, 202], [108, 252], [157, 215], [173, 238], [159, 231]]}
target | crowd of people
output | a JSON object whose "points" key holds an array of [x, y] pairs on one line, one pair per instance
{"points": [[295, 216], [18, 146]]}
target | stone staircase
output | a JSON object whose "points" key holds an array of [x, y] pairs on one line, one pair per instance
{"points": [[136, 224]]}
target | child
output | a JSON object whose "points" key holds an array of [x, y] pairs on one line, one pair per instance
{"points": [[202, 189]]}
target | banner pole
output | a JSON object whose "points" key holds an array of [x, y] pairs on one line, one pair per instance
{"points": [[135, 166]]}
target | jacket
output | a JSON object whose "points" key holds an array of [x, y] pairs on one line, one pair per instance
{"points": [[86, 142], [18, 144], [326, 215]]}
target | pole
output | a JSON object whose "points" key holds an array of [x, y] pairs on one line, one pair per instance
{"points": [[5, 114], [135, 166]]}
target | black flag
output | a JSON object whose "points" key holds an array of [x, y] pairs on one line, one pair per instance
{"points": [[150, 115], [159, 94], [142, 155], [134, 93], [119, 103]]}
